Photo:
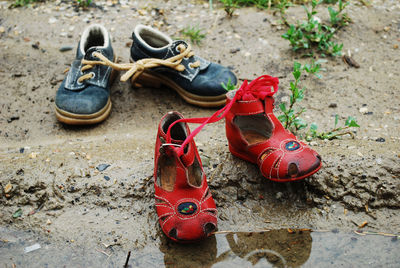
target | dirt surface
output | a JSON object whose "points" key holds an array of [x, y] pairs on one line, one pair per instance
{"points": [[53, 169]]}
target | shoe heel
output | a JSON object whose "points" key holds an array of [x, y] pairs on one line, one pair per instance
{"points": [[240, 155], [146, 80]]}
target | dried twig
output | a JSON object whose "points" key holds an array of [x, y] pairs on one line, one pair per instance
{"points": [[127, 260], [375, 233], [230, 232], [105, 253]]}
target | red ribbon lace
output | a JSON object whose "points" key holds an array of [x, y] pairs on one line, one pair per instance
{"points": [[258, 89]]}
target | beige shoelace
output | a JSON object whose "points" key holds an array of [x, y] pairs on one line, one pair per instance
{"points": [[136, 68]]}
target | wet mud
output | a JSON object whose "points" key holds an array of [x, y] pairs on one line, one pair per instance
{"points": [[54, 179], [270, 248]]}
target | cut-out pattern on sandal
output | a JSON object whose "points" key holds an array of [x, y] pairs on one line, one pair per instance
{"points": [[276, 163], [267, 153], [293, 170], [255, 128], [163, 218]]}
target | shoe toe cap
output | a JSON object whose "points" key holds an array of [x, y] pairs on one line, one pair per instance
{"points": [[209, 82], [279, 166], [191, 230], [88, 101]]}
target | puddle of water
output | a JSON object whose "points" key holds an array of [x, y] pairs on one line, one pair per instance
{"points": [[275, 248]]}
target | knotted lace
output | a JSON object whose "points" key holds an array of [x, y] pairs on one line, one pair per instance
{"points": [[257, 89], [136, 68]]}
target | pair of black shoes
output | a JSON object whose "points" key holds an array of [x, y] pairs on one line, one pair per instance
{"points": [[84, 95]]}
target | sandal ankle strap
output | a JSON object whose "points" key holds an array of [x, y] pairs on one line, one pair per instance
{"points": [[258, 89]]}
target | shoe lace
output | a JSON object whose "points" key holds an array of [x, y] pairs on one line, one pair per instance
{"points": [[136, 68], [258, 89]]}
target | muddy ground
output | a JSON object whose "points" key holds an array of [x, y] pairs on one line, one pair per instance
{"points": [[52, 168]]}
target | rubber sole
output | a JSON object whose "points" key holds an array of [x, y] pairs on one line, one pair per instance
{"points": [[153, 80], [87, 119], [84, 119], [244, 157]]}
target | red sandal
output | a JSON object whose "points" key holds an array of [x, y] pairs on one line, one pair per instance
{"points": [[256, 135], [185, 208]]}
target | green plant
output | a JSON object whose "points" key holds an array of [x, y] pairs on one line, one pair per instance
{"points": [[290, 118], [21, 3], [337, 19], [260, 3], [335, 132], [229, 86], [194, 33], [311, 33], [314, 67], [229, 6], [84, 3], [282, 6]]}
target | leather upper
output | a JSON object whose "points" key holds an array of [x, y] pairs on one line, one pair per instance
{"points": [[204, 80], [90, 95]]}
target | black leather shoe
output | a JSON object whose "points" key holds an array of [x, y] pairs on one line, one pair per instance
{"points": [[198, 81], [84, 95]]}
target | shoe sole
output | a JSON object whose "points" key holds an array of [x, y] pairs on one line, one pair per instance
{"points": [[246, 158], [87, 119], [153, 80]]}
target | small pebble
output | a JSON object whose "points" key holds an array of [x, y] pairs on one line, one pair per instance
{"points": [[332, 105], [12, 118], [102, 167], [32, 248], [65, 48], [380, 139], [107, 178], [8, 188], [52, 20], [363, 110], [35, 45]]}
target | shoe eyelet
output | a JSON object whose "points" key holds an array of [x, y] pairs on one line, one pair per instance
{"points": [[94, 56], [79, 83], [93, 75], [190, 66]]}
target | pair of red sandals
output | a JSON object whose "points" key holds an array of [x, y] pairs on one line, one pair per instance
{"points": [[186, 210]]}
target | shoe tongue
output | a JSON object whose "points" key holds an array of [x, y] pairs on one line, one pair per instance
{"points": [[173, 50], [89, 53]]}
